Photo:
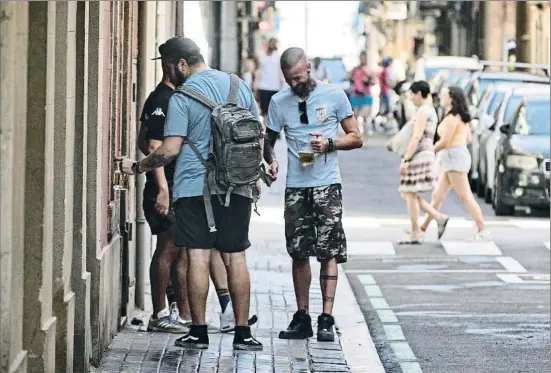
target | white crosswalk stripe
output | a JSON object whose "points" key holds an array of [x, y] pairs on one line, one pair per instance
{"points": [[471, 248], [448, 247], [370, 248]]}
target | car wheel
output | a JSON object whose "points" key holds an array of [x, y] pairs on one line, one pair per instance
{"points": [[480, 189], [500, 208], [488, 195]]}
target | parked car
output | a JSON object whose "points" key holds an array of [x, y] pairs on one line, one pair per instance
{"points": [[481, 121], [490, 137], [523, 167], [481, 80], [427, 67]]}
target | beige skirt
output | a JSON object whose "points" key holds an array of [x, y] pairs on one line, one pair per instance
{"points": [[420, 175]]}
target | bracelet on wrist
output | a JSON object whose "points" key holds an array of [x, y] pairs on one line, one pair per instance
{"points": [[331, 145], [136, 168]]}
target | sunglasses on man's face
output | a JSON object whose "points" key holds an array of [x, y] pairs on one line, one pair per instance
{"points": [[302, 111]]}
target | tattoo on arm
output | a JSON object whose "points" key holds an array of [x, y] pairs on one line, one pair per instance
{"points": [[269, 144], [155, 160]]}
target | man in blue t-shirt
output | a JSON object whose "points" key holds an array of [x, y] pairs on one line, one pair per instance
{"points": [[189, 119], [310, 112]]}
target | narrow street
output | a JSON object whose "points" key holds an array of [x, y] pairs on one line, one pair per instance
{"points": [[453, 306]]}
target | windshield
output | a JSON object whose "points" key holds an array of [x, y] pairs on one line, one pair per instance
{"points": [[512, 104], [498, 97], [335, 70], [430, 72], [534, 119]]}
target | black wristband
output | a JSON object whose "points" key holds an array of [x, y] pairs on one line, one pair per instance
{"points": [[331, 145], [135, 168]]}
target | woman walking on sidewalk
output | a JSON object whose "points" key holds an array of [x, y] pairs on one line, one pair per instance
{"points": [[455, 159], [416, 170]]}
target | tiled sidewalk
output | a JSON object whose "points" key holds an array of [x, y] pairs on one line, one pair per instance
{"points": [[272, 300]]}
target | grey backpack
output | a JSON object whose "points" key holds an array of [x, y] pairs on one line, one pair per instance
{"points": [[235, 155]]}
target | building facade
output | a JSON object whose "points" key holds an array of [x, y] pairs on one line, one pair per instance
{"points": [[74, 244]]}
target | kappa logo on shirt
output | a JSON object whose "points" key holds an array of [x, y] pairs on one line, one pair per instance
{"points": [[321, 113], [158, 112]]}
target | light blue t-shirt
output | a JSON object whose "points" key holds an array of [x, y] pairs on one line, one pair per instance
{"points": [[188, 118], [326, 107]]}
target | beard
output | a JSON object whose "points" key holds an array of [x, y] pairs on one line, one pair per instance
{"points": [[304, 89], [178, 78]]}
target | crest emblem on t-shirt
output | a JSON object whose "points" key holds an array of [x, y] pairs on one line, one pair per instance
{"points": [[321, 113]]}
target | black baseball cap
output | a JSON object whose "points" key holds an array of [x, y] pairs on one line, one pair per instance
{"points": [[178, 47]]}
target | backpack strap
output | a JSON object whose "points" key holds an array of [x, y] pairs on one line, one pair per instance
{"points": [[197, 96], [206, 186], [234, 86]]}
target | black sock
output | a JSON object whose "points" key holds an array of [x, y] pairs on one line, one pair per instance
{"points": [[223, 298], [171, 294], [243, 330]]}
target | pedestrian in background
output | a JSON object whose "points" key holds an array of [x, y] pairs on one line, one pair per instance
{"points": [[361, 98], [311, 113], [455, 159], [416, 169], [268, 77], [249, 68], [319, 72], [385, 109]]}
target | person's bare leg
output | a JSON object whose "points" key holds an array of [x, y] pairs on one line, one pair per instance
{"points": [[302, 278], [198, 283], [159, 270], [328, 281], [438, 196], [430, 210], [239, 285], [181, 266], [219, 277], [413, 211], [460, 183]]}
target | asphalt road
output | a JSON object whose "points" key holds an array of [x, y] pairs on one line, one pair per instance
{"points": [[451, 306]]}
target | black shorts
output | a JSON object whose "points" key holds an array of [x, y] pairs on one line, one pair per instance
{"points": [[157, 223], [232, 224], [265, 97]]}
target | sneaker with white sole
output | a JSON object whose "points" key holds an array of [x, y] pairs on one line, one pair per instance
{"points": [[482, 236], [175, 313], [163, 322]]}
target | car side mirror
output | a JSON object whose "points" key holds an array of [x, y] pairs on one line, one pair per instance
{"points": [[505, 129]]}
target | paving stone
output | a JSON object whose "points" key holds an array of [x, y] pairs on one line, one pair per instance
{"points": [[273, 301]]}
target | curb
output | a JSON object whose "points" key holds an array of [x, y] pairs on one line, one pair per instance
{"points": [[358, 347]]}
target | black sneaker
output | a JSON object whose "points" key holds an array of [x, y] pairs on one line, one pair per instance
{"points": [[299, 328], [196, 339], [244, 341], [325, 328]]}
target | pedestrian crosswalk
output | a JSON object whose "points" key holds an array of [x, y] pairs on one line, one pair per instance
{"points": [[452, 248], [274, 215]]}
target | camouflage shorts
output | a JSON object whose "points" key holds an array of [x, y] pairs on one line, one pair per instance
{"points": [[313, 223]]}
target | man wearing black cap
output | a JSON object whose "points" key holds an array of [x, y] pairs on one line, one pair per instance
{"points": [[157, 211], [190, 121]]}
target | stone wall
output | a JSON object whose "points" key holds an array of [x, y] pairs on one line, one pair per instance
{"points": [[69, 100]]}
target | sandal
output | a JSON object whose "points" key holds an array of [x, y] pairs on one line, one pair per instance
{"points": [[409, 240], [442, 227]]}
